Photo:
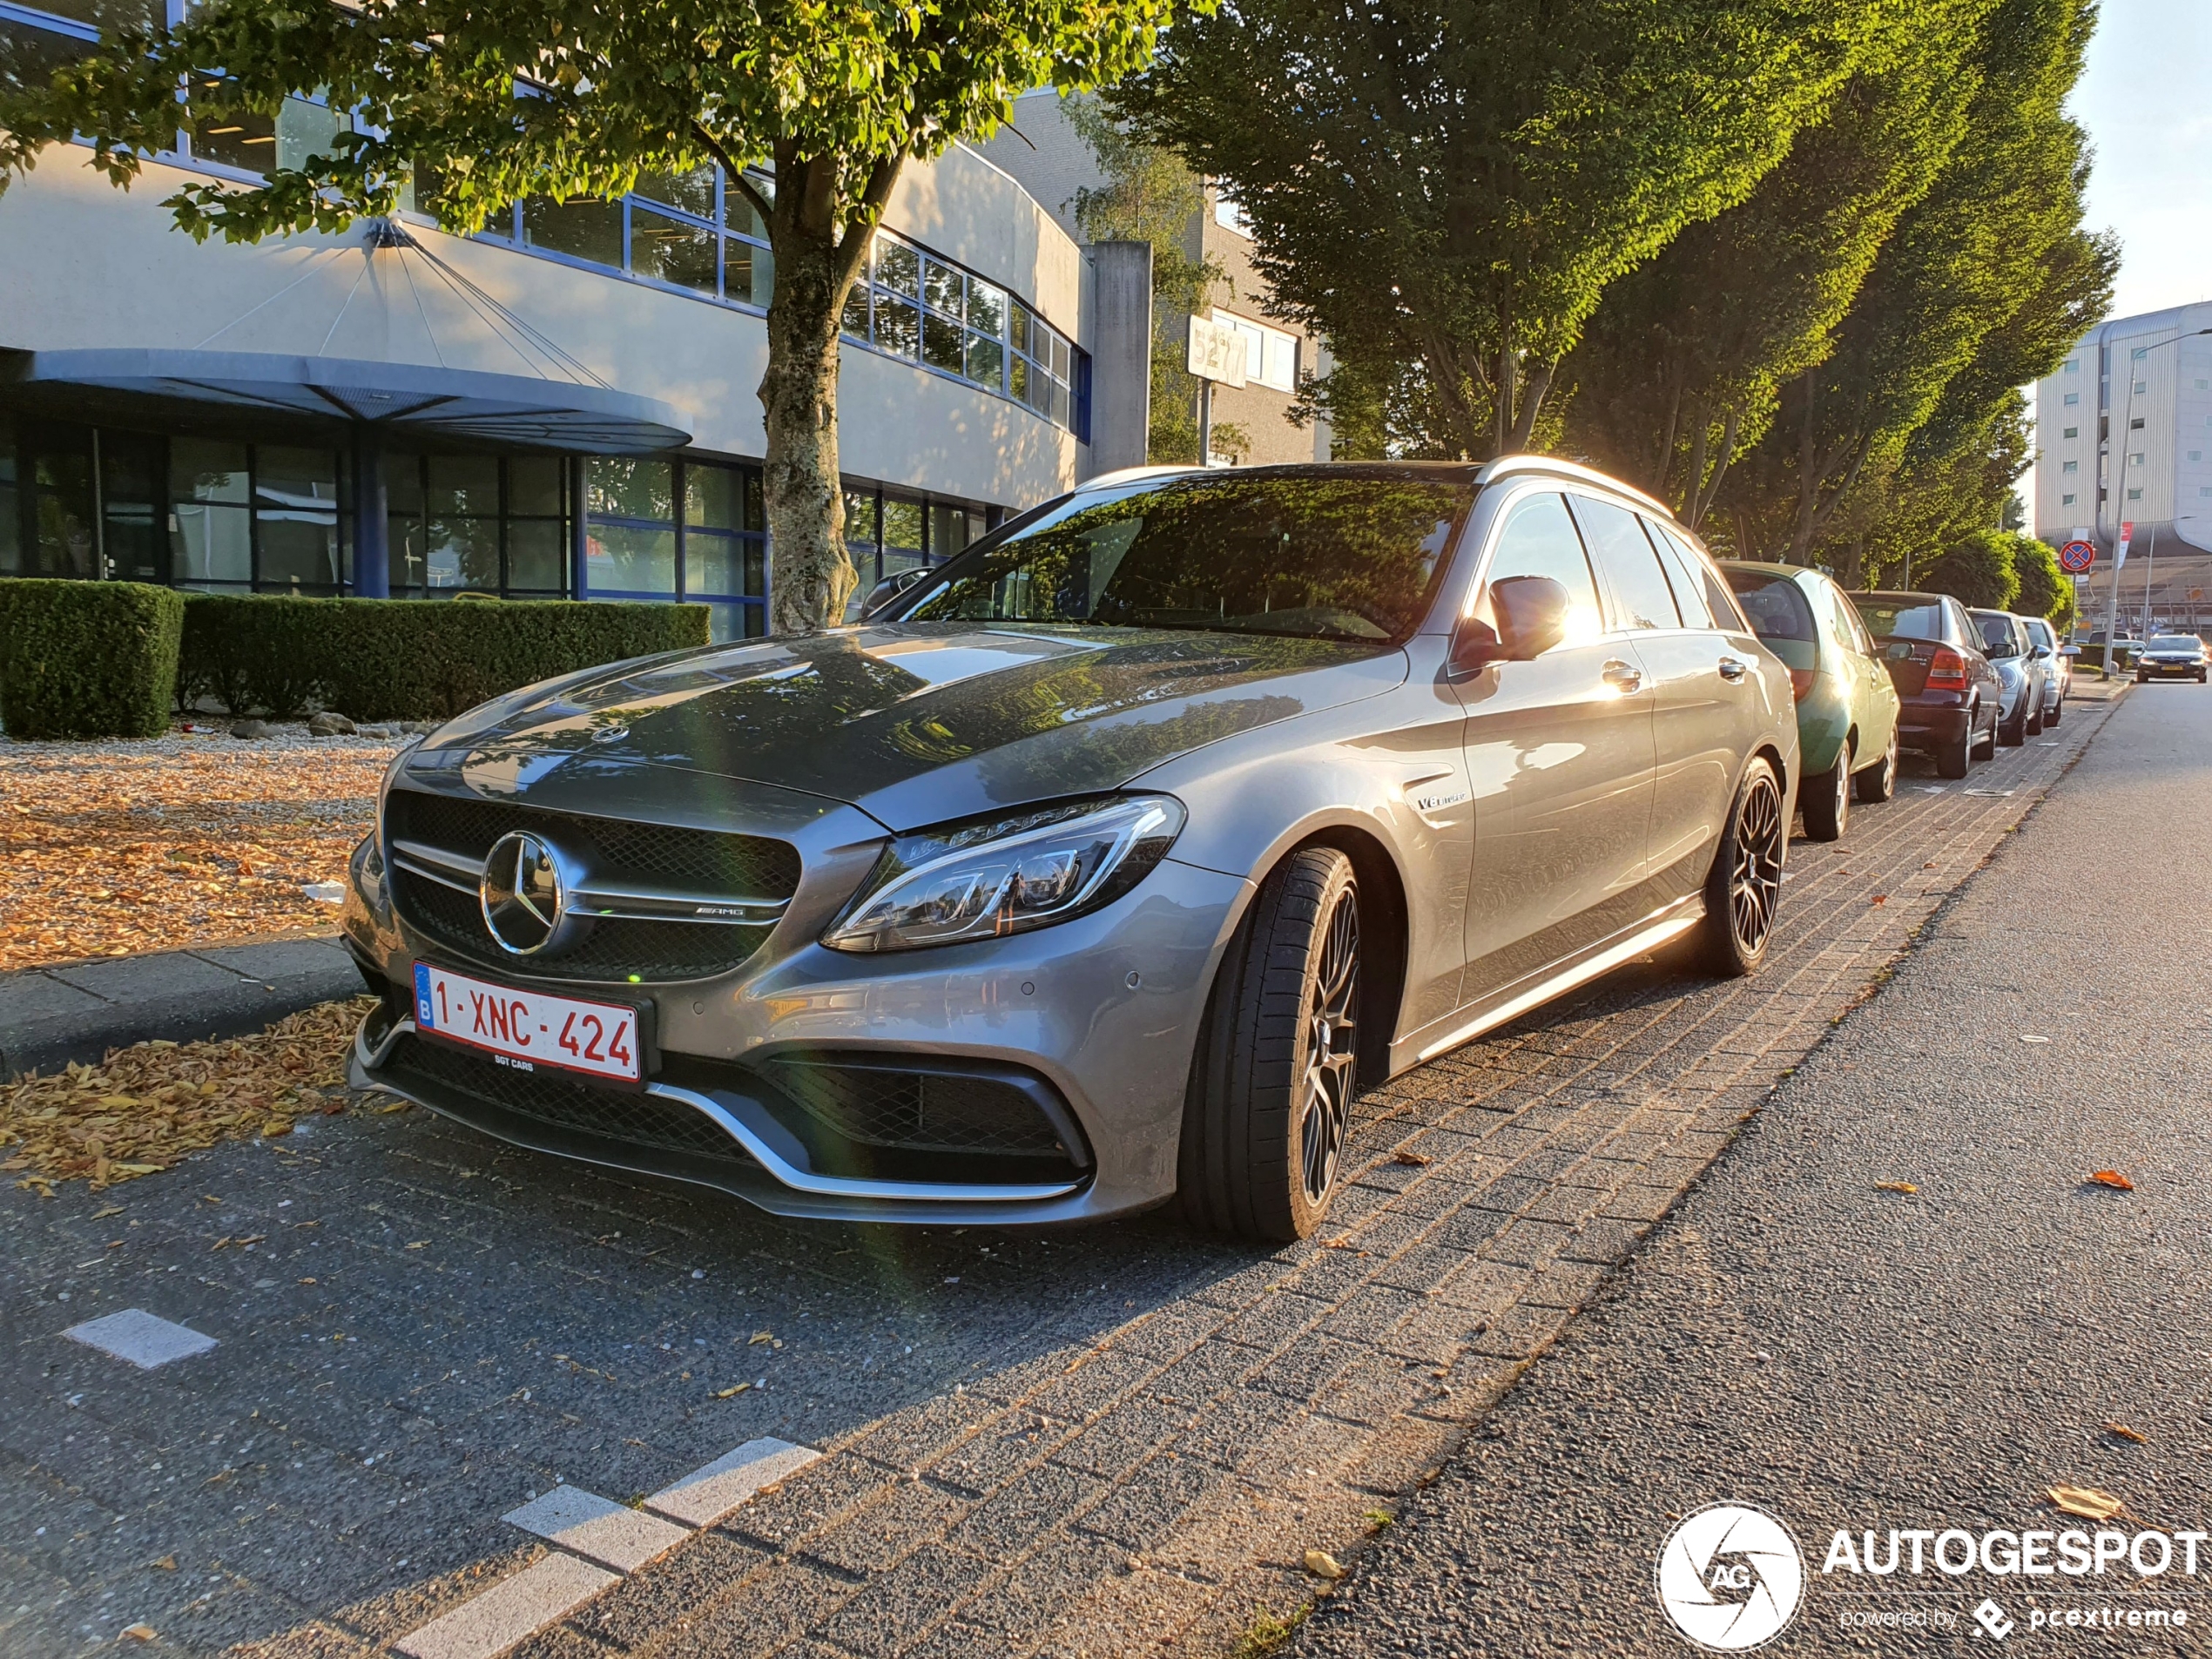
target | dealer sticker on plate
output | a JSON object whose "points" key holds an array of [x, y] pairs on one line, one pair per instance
{"points": [[527, 1029]]}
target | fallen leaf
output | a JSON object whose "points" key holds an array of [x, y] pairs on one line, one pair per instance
{"points": [[111, 1209], [223, 1243], [2126, 1433], [139, 1632], [760, 1337], [1322, 1564], [1879, 898], [420, 1243], [276, 1126], [1414, 1158], [2087, 1502], [2029, 1036], [1895, 1186], [1342, 1241], [307, 1281], [167, 1563], [2111, 1178], [727, 1393]]}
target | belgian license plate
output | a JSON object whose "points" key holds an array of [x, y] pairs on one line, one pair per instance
{"points": [[527, 1029]]}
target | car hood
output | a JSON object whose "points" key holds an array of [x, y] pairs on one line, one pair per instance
{"points": [[915, 724]]}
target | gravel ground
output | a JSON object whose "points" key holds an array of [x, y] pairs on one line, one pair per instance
{"points": [[195, 839], [1806, 1337]]}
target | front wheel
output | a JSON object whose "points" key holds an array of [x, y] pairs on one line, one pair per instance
{"points": [[2013, 732], [1825, 800], [1878, 782], [2058, 708], [1955, 760], [1745, 885], [1270, 1105]]}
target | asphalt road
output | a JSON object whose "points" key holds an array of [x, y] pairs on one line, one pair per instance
{"points": [[1845, 1357]]}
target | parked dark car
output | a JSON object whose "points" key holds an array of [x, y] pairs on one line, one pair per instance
{"points": [[2026, 676], [1952, 696], [2172, 657]]}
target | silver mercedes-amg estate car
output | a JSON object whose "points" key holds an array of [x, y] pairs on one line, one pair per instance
{"points": [[1105, 864]]}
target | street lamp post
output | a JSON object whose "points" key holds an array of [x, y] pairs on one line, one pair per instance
{"points": [[2126, 425]]}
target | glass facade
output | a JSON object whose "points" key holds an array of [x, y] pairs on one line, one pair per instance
{"points": [[684, 231], [693, 531]]}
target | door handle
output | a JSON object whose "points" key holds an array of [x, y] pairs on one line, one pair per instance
{"points": [[1621, 677], [1733, 670]]}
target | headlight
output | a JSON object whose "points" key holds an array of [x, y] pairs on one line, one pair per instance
{"points": [[1006, 875]]}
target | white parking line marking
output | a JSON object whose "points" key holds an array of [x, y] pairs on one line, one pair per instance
{"points": [[142, 1338], [595, 1528], [704, 1496], [489, 1625]]}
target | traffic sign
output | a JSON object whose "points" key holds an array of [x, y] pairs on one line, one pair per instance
{"points": [[2076, 557]]}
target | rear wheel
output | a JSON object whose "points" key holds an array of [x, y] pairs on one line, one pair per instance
{"points": [[1270, 1105], [2050, 717], [1745, 885], [2013, 732], [2035, 717], [1825, 800], [1878, 782], [1956, 758], [1985, 743]]}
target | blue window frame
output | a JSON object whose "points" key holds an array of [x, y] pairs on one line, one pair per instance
{"points": [[689, 531]]}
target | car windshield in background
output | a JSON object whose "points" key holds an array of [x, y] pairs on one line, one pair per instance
{"points": [[1997, 637], [2175, 642], [1776, 605], [1894, 620], [1345, 557]]}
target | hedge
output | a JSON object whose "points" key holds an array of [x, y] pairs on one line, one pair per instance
{"points": [[87, 659], [406, 659]]}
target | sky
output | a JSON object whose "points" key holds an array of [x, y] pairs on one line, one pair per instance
{"points": [[2144, 97]]}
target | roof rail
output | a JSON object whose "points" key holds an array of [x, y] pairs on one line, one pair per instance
{"points": [[1504, 465]]}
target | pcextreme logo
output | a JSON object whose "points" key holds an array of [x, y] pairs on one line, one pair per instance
{"points": [[1730, 1577]]}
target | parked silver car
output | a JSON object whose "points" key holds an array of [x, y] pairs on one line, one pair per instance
{"points": [[2026, 677], [2058, 663], [1103, 867]]}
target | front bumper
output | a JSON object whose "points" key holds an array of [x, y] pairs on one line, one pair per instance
{"points": [[1104, 1010], [2146, 668]]}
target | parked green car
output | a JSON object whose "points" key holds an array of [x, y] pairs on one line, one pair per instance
{"points": [[1847, 707]]}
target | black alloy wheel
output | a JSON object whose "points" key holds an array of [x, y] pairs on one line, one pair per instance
{"points": [[1332, 1051], [1825, 800], [1267, 1114], [1744, 887], [1878, 782]]}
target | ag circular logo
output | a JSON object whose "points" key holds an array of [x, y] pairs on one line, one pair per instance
{"points": [[1730, 1577], [522, 893]]}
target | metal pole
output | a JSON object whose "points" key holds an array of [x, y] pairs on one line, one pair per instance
{"points": [[1205, 423], [2150, 571]]}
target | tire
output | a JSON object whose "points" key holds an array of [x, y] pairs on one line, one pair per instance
{"points": [[2142, 679], [2013, 732], [1269, 1111], [2051, 718], [1957, 759], [1744, 887], [2034, 727], [1825, 800], [1878, 782], [1986, 745]]}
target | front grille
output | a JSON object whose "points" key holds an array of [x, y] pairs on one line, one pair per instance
{"points": [[919, 1111], [711, 865], [640, 1120]]}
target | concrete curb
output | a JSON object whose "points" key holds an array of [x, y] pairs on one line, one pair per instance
{"points": [[49, 1016]]}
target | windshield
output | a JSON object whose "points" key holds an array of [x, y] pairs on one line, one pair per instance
{"points": [[1335, 556], [1888, 618], [1776, 605], [2175, 642], [1997, 637]]}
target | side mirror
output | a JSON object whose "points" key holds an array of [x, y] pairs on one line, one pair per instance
{"points": [[888, 589], [1532, 615]]}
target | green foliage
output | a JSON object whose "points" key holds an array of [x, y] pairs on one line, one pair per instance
{"points": [[381, 659], [2045, 590], [1978, 571], [87, 659], [1452, 183]]}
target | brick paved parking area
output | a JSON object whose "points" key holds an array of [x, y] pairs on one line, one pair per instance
{"points": [[1105, 1442]]}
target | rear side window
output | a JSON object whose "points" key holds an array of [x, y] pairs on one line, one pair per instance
{"points": [[1681, 576], [1849, 629], [1997, 637], [1623, 552], [1539, 539], [1776, 605], [1719, 600]]}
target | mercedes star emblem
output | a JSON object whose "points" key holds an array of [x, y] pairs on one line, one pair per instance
{"points": [[522, 892]]}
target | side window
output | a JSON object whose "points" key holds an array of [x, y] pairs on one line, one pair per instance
{"points": [[1631, 568], [1689, 591], [1726, 613], [1847, 628], [1539, 539]]}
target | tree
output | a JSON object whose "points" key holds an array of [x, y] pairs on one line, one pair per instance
{"points": [[2045, 590], [1443, 189], [1984, 283], [1978, 571], [500, 99], [1152, 196]]}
